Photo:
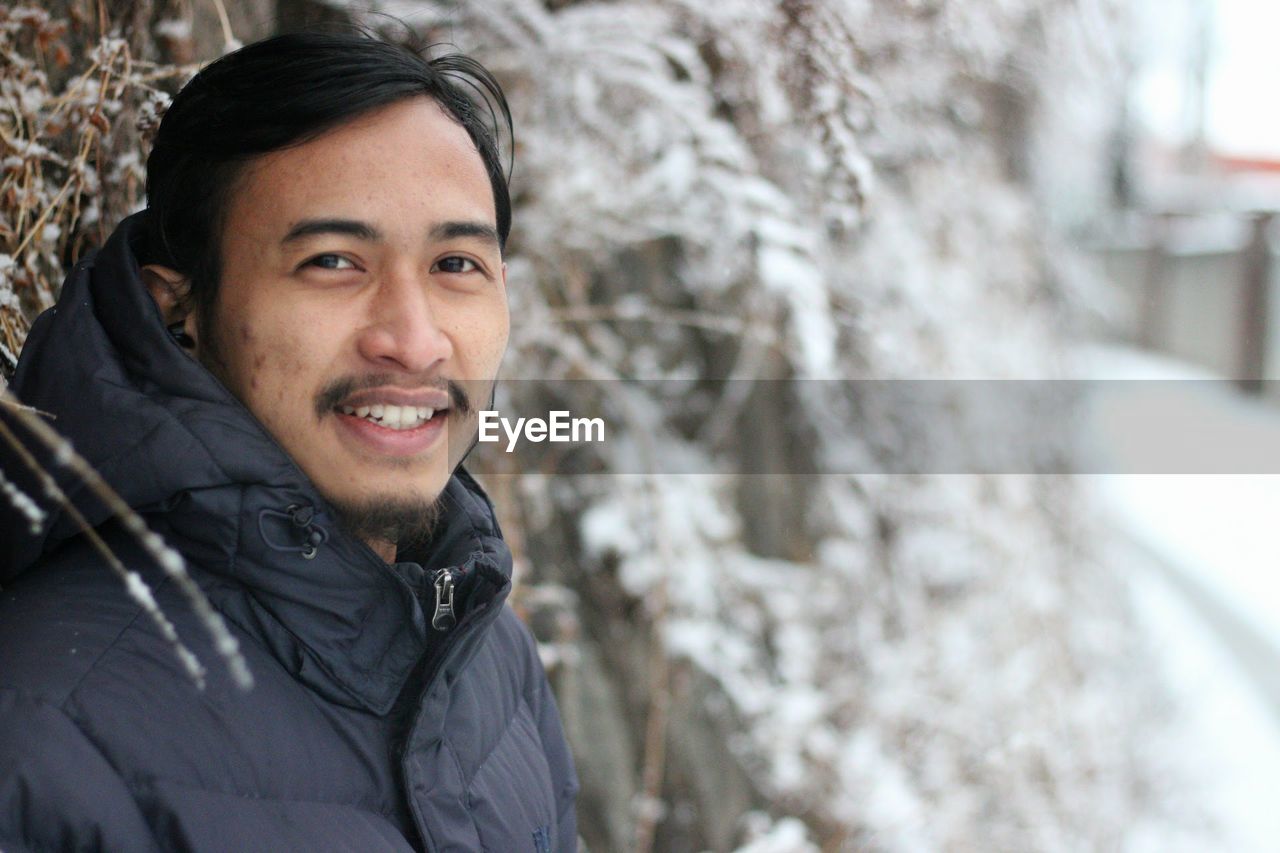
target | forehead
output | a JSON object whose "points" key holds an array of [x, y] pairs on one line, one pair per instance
{"points": [[407, 162]]}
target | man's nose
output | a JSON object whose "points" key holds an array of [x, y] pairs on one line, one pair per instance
{"points": [[404, 329]]}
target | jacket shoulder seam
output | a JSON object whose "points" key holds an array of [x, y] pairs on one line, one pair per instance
{"points": [[124, 629]]}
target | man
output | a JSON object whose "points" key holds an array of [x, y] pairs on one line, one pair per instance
{"points": [[267, 364]]}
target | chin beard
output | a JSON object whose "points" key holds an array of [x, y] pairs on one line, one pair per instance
{"points": [[407, 524]]}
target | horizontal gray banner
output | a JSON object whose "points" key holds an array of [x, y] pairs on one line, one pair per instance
{"points": [[815, 427]]}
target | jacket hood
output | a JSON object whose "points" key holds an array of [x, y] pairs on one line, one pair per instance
{"points": [[187, 455]]}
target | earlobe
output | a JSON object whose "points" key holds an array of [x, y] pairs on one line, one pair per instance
{"points": [[178, 331]]}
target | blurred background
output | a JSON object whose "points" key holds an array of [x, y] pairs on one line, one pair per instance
{"points": [[767, 629]]}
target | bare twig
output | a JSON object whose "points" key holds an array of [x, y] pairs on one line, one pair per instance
{"points": [[654, 762], [227, 37], [168, 559], [55, 205], [10, 403], [138, 589]]}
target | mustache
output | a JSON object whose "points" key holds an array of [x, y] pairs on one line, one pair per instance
{"points": [[339, 389]]}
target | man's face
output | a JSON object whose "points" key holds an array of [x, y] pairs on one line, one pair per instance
{"points": [[362, 311]]}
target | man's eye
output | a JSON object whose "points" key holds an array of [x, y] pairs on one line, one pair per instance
{"points": [[456, 264], [331, 262]]}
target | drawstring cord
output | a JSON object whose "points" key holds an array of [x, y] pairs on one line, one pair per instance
{"points": [[304, 518]]}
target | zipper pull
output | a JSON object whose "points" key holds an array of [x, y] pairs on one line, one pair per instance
{"points": [[444, 619]]}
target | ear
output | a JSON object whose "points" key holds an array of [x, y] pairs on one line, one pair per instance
{"points": [[171, 291]]}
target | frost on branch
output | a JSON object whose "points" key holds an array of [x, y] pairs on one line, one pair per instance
{"points": [[68, 128], [23, 503], [169, 560]]}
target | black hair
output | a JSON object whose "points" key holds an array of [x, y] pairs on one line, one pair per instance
{"points": [[284, 91]]}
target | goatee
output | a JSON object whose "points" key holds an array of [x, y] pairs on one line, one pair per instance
{"points": [[408, 524]]}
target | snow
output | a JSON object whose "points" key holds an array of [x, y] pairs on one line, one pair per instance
{"points": [[787, 835], [23, 503], [174, 28], [792, 273], [1226, 731], [140, 591], [1203, 554], [1217, 528]]}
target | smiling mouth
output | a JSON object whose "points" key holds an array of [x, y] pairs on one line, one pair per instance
{"points": [[398, 418]]}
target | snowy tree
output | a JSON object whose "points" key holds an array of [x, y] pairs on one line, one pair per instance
{"points": [[746, 204]]}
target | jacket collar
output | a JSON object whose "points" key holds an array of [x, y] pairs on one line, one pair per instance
{"points": [[183, 451]]}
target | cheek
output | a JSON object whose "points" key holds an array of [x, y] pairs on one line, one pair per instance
{"points": [[479, 334], [499, 328], [273, 365]]}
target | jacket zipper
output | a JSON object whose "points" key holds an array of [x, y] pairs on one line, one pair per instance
{"points": [[444, 618]]}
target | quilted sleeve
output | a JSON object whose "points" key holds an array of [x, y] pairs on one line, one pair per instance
{"points": [[57, 792]]}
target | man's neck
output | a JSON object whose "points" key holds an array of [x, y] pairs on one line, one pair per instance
{"points": [[384, 549]]}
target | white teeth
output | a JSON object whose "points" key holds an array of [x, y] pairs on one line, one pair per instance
{"points": [[391, 417]]}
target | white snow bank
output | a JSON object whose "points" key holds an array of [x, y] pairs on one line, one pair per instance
{"points": [[1206, 574]]}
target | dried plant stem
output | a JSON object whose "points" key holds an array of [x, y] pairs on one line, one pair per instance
{"points": [[56, 204], [137, 588], [228, 38], [654, 763], [655, 734], [72, 90], [169, 559]]}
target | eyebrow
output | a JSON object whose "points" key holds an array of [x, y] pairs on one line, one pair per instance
{"points": [[453, 230], [349, 227], [364, 231]]}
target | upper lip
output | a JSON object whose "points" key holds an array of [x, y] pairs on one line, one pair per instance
{"points": [[422, 398]]}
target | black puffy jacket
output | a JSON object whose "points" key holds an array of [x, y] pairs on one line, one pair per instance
{"points": [[366, 729]]}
